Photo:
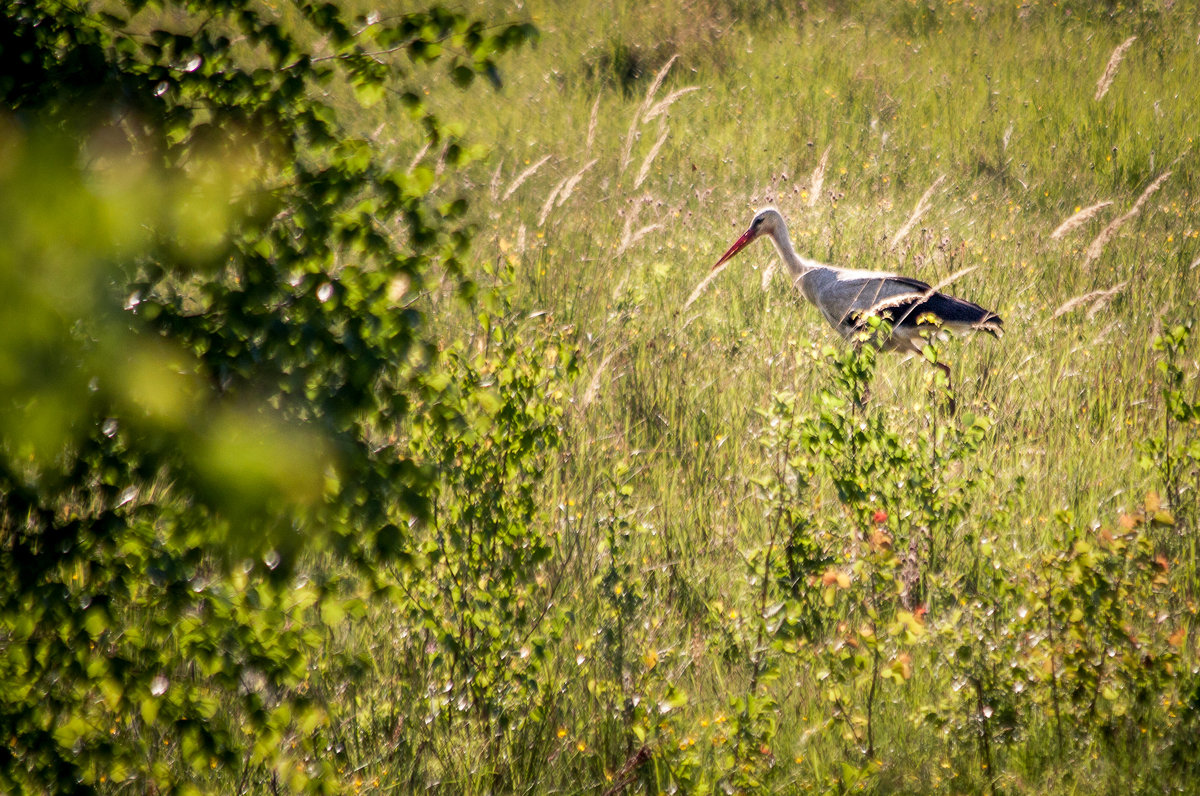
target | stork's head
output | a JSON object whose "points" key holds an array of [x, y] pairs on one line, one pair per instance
{"points": [[765, 222]]}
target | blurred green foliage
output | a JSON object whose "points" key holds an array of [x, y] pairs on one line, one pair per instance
{"points": [[210, 351]]}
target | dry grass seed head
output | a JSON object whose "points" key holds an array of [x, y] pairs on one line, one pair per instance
{"points": [[1110, 71], [639, 114], [591, 132], [529, 172], [549, 205], [1096, 247], [628, 236], [1098, 297], [920, 209], [818, 177], [767, 273], [662, 106], [1077, 220], [494, 186], [645, 170], [417, 158], [637, 236], [567, 188], [593, 388], [656, 84]]}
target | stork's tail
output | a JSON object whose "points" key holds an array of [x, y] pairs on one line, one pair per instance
{"points": [[991, 323]]}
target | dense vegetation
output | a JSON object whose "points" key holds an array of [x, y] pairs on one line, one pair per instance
{"points": [[366, 425]]}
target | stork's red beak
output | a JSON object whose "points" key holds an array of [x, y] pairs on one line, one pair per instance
{"points": [[737, 246]]}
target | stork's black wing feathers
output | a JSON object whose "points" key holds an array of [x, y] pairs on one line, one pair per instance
{"points": [[947, 309]]}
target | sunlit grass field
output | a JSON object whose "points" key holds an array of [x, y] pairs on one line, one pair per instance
{"points": [[994, 104], [943, 140]]}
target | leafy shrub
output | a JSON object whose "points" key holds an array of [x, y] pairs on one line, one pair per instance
{"points": [[1173, 455], [219, 331], [476, 601]]}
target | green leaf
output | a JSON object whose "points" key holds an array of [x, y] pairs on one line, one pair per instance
{"points": [[149, 709], [673, 700], [369, 92]]}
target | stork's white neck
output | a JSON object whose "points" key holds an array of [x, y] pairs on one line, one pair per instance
{"points": [[783, 243]]}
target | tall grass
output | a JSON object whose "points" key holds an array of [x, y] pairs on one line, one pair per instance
{"points": [[970, 129]]}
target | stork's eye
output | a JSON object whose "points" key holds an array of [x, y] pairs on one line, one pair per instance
{"points": [[757, 222]]}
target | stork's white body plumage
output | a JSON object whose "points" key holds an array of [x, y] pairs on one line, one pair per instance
{"points": [[844, 295]]}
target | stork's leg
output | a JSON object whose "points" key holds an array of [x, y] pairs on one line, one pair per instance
{"points": [[864, 399], [861, 401], [944, 368]]}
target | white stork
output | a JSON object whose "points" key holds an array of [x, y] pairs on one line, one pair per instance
{"points": [[845, 296]]}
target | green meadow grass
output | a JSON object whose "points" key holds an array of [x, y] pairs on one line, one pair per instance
{"points": [[1000, 107], [992, 105]]}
